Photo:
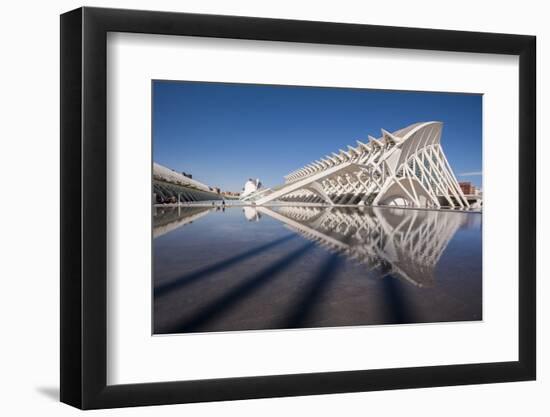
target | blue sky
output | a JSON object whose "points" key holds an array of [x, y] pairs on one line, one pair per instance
{"points": [[224, 134]]}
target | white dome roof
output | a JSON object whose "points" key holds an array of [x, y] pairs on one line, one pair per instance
{"points": [[251, 186]]}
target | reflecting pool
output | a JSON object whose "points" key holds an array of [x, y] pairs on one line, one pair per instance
{"points": [[282, 267]]}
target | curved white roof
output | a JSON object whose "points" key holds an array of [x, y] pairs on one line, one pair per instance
{"points": [[251, 186], [409, 139], [166, 174], [406, 167]]}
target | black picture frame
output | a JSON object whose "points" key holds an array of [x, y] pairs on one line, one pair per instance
{"points": [[84, 207]]}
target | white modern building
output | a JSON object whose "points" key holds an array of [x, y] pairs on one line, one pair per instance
{"points": [[404, 168], [173, 186], [251, 187]]}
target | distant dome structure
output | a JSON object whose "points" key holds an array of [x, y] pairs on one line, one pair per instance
{"points": [[251, 214], [251, 186]]}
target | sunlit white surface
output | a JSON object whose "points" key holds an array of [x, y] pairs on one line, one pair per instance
{"points": [[251, 186], [166, 174], [405, 168]]}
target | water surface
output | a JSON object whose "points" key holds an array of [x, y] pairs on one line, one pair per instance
{"points": [[246, 268]]}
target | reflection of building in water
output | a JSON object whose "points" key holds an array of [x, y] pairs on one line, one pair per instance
{"points": [[387, 241], [401, 242], [251, 214], [167, 219], [403, 168]]}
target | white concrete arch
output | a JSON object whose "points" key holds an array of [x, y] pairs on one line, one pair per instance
{"points": [[407, 166]]}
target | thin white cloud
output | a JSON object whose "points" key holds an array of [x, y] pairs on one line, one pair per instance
{"points": [[470, 174]]}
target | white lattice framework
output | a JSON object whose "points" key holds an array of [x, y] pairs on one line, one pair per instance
{"points": [[405, 168], [406, 243]]}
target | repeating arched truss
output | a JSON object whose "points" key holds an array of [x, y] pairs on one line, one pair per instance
{"points": [[406, 167], [406, 243], [164, 192]]}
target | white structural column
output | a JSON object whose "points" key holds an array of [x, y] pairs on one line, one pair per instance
{"points": [[405, 168], [299, 184]]}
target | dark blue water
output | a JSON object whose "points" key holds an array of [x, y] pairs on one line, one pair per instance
{"points": [[304, 267]]}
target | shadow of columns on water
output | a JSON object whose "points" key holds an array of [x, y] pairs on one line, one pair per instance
{"points": [[396, 308], [319, 285], [239, 293], [187, 279], [410, 242]]}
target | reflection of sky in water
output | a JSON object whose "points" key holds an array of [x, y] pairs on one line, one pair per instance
{"points": [[293, 267]]}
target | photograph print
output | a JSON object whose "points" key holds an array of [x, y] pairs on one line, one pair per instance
{"points": [[296, 207]]}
